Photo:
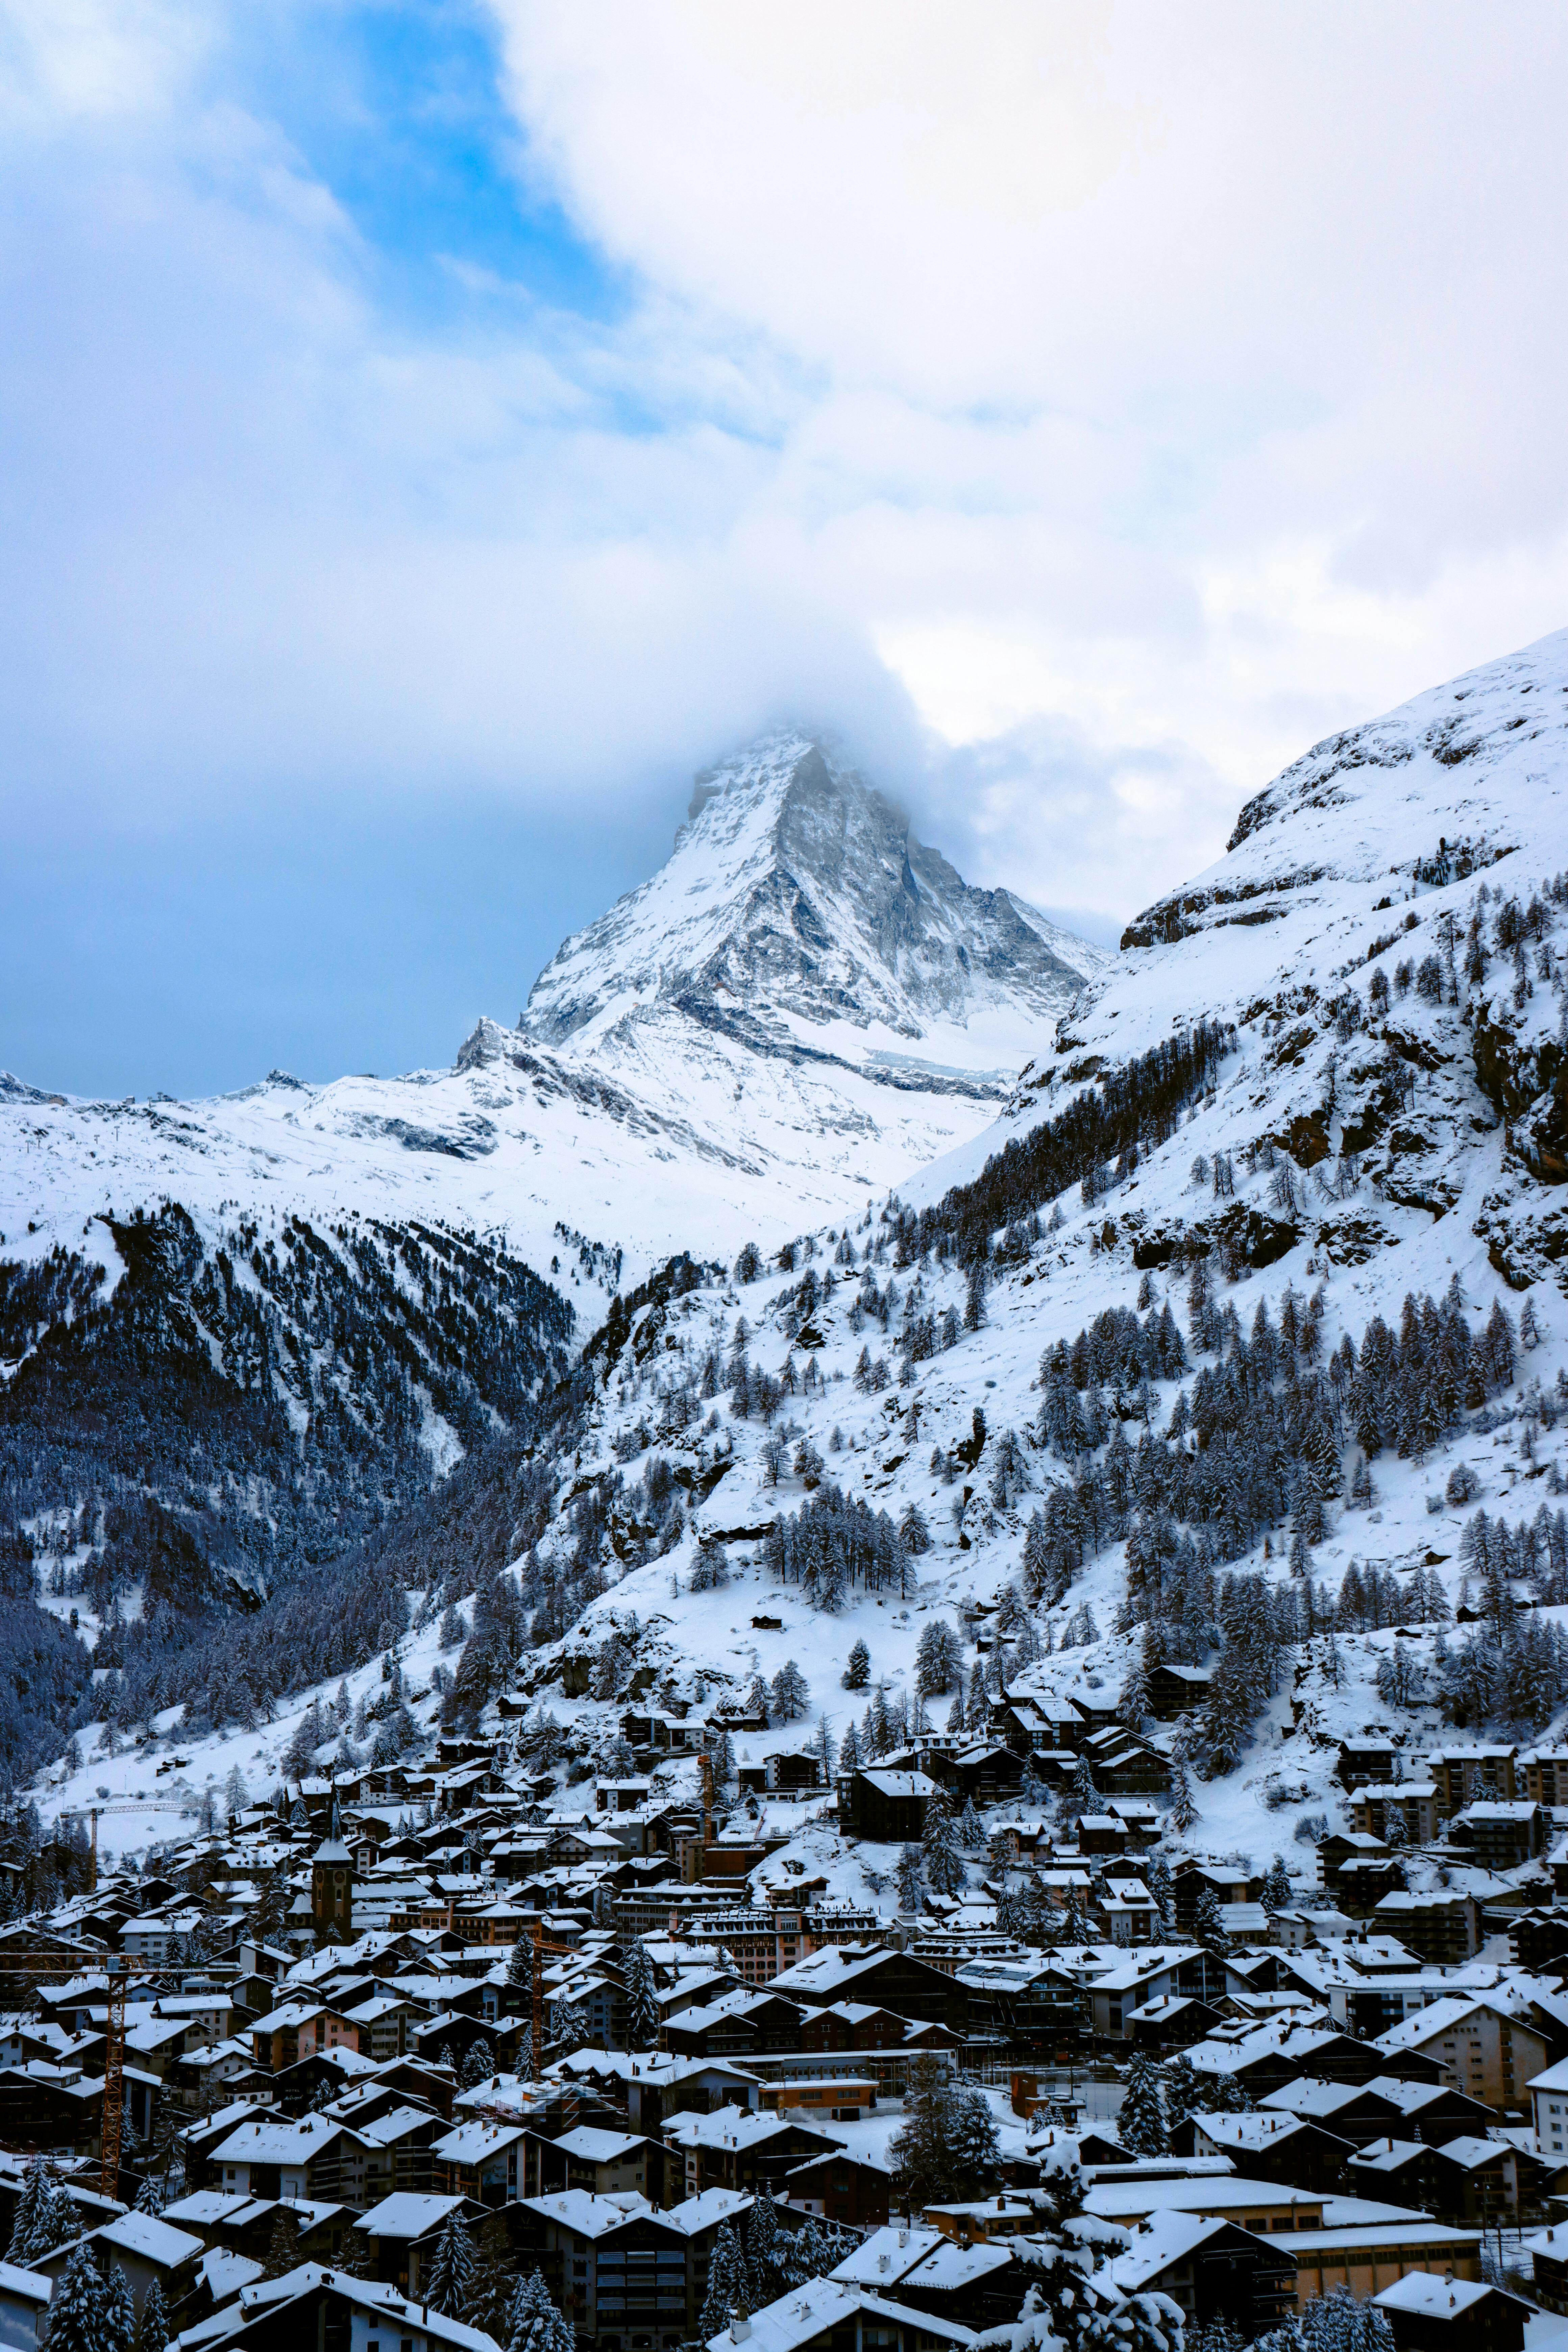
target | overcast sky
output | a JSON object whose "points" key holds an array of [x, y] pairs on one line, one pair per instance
{"points": [[429, 433]]}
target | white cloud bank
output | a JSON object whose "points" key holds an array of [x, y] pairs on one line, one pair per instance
{"points": [[1088, 407]]}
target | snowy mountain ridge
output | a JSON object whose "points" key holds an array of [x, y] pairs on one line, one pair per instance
{"points": [[799, 895], [804, 1004]]}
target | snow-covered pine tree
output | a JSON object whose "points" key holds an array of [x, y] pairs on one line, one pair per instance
{"points": [[283, 2248], [1183, 1809], [943, 1866], [153, 2328], [57, 2223], [761, 2230], [910, 1876], [1209, 1927], [642, 1999], [1141, 2126], [728, 2284], [971, 1829], [494, 2280], [1277, 1886], [37, 2188], [1182, 2094], [119, 2313], [1080, 1796], [449, 2282], [791, 1693], [76, 2308], [567, 2023], [533, 2323]]}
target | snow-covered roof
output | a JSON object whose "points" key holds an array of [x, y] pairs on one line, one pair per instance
{"points": [[588, 2216], [1426, 2296], [406, 2214]]}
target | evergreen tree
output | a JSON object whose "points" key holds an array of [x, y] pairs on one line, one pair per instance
{"points": [[567, 2023], [76, 2308], [1141, 2126], [533, 2323], [761, 2230], [1210, 1928], [38, 2188], [729, 2284], [119, 2313], [642, 1999], [1182, 2094], [910, 1875], [1183, 1809], [152, 2330], [1082, 1796], [475, 2067], [57, 2223], [520, 1973], [450, 2279], [1277, 1886], [494, 2280], [283, 2250], [943, 1865], [791, 1692], [971, 1829]]}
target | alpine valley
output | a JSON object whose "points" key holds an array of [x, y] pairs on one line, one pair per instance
{"points": [[840, 1300]]}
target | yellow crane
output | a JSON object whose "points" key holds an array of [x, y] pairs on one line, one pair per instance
{"points": [[120, 1805]]}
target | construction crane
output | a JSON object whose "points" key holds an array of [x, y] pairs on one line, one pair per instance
{"points": [[120, 1805], [116, 1968]]}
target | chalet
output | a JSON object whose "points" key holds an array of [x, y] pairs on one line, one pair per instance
{"points": [[147, 2249], [884, 1980], [1544, 1771], [1442, 1927], [1296, 2150], [1549, 2262], [1501, 1834], [1174, 1690], [851, 2190], [741, 2152], [1463, 1775], [1425, 2313], [941, 2265], [1481, 2047], [1362, 1762], [1414, 1803], [889, 1808], [1213, 2269]]}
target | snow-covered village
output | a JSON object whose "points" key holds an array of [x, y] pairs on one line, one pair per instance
{"points": [[784, 1178], [991, 1773]]}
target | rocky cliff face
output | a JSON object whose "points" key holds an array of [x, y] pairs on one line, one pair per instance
{"points": [[1386, 932], [797, 893]]}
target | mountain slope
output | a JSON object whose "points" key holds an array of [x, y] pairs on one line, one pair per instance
{"points": [[239, 1337], [1240, 1160]]}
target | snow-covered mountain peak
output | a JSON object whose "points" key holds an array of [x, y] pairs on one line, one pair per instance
{"points": [[798, 894]]}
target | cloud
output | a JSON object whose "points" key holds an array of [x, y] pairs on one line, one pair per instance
{"points": [[1079, 412]]}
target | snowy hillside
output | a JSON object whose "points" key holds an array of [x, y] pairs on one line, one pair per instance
{"points": [[1132, 1379]]}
